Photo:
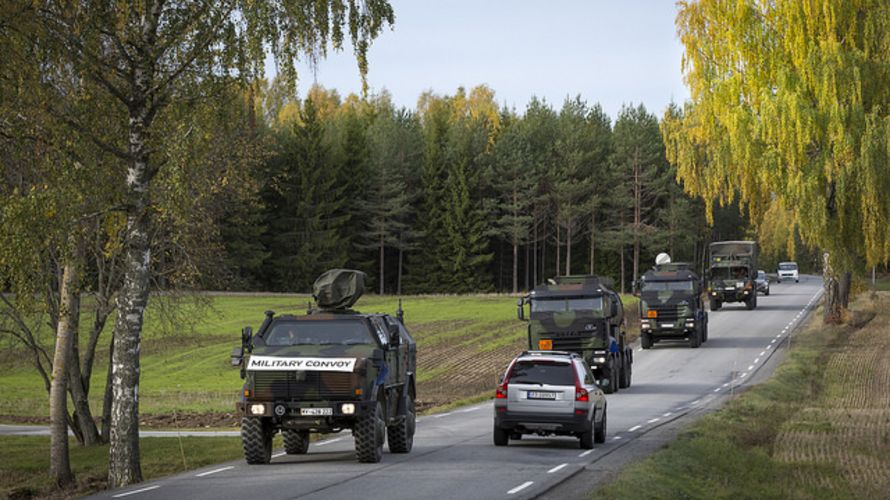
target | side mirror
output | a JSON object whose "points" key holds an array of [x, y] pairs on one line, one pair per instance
{"points": [[520, 309], [247, 339], [237, 356], [395, 340]]}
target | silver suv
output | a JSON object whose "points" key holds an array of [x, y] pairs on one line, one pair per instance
{"points": [[549, 393]]}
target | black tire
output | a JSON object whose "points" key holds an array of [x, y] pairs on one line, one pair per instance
{"points": [[751, 303], [400, 437], [715, 304], [295, 442], [256, 439], [599, 433], [501, 438], [610, 374], [646, 340], [625, 374], [369, 433], [695, 338], [586, 438], [767, 292]]}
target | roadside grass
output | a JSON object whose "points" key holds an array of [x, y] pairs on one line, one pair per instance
{"points": [[817, 429], [24, 463], [464, 341]]}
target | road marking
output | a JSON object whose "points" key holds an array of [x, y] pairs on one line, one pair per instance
{"points": [[652, 421], [767, 347], [750, 367], [588, 452], [773, 341], [718, 389], [283, 453], [634, 428], [777, 336], [726, 384], [558, 467], [468, 410], [762, 353], [142, 490], [442, 415], [616, 438], [214, 471], [743, 375], [668, 414], [695, 402], [329, 441], [756, 360], [520, 487]]}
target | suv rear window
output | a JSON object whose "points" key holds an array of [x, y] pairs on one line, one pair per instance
{"points": [[542, 372], [342, 332]]}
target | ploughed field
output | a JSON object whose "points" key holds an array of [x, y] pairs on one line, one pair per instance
{"points": [[463, 344]]}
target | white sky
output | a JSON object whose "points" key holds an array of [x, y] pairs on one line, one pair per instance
{"points": [[611, 52]]}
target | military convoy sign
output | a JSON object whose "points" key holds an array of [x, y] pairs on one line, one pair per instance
{"points": [[260, 363]]}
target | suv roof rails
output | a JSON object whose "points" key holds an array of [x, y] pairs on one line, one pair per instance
{"points": [[550, 353]]}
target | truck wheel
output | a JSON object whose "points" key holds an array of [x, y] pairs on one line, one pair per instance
{"points": [[610, 373], [256, 439], [625, 374], [400, 437], [501, 438], [715, 304], [599, 435], [695, 339], [751, 303], [369, 435], [295, 442]]}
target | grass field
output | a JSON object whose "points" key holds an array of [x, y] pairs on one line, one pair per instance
{"points": [[464, 342], [820, 428]]}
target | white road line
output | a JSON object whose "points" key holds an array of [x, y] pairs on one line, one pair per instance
{"points": [[750, 367], [634, 428], [555, 469], [141, 490], [767, 347], [616, 438], [773, 341], [214, 471], [777, 336], [283, 453], [520, 487], [588, 452], [468, 410], [756, 360], [743, 375], [695, 402], [652, 421], [726, 384], [668, 414], [762, 353], [329, 441], [718, 389], [442, 415]]}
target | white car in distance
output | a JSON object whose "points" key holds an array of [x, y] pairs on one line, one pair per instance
{"points": [[787, 271]]}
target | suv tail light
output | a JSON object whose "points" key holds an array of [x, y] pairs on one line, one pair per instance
{"points": [[581, 393], [501, 392]]}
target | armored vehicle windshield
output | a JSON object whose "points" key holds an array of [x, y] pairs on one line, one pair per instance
{"points": [[327, 332], [673, 286]]}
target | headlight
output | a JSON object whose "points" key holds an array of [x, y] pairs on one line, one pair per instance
{"points": [[599, 360], [740, 284], [348, 409], [257, 409], [645, 326]]}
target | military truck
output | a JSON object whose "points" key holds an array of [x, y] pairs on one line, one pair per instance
{"points": [[581, 314], [326, 371], [732, 268], [671, 306]]}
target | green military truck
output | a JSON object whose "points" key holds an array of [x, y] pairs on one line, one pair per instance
{"points": [[732, 268], [581, 314], [671, 306], [329, 370]]}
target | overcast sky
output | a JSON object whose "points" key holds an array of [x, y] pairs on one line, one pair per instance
{"points": [[611, 52]]}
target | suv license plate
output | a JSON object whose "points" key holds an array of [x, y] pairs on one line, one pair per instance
{"points": [[316, 412], [541, 395]]}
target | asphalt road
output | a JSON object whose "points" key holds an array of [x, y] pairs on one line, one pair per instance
{"points": [[454, 458]]}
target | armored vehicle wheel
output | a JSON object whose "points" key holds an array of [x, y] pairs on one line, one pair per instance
{"points": [[369, 435], [501, 438], [400, 437], [256, 438], [715, 304], [295, 442], [599, 434], [586, 438], [751, 303], [646, 340], [695, 339]]}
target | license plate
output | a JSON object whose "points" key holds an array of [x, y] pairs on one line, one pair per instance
{"points": [[667, 325], [541, 395], [316, 412]]}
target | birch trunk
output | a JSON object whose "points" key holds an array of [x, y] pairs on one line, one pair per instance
{"points": [[60, 467], [569, 230]]}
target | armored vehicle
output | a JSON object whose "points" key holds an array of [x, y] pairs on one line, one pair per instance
{"points": [[581, 314], [329, 370], [731, 273], [671, 306]]}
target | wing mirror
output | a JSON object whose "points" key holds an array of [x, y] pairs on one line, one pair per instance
{"points": [[520, 309], [395, 339], [237, 356]]}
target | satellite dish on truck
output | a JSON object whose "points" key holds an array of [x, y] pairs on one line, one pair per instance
{"points": [[662, 258]]}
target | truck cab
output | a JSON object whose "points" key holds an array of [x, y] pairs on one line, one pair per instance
{"points": [[731, 273], [671, 306]]}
